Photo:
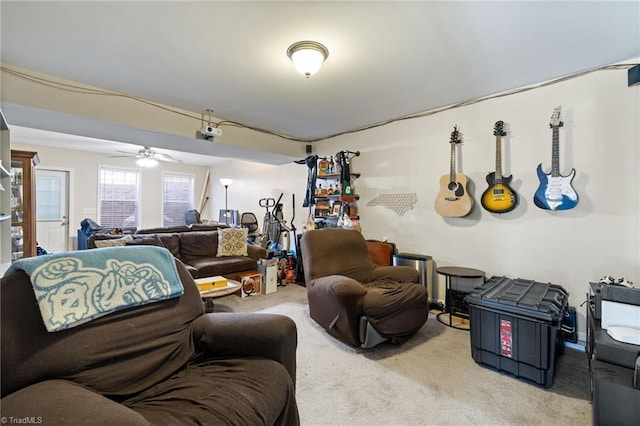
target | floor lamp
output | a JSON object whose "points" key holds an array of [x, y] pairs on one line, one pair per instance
{"points": [[226, 182]]}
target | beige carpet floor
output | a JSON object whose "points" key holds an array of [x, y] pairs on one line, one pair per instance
{"points": [[430, 380]]}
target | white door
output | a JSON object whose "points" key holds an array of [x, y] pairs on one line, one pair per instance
{"points": [[52, 210]]}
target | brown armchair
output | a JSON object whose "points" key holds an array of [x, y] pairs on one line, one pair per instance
{"points": [[356, 301], [164, 363]]}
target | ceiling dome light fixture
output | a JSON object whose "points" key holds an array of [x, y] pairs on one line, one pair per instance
{"points": [[307, 56]]}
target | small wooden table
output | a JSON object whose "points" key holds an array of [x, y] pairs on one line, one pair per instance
{"points": [[207, 296], [457, 272]]}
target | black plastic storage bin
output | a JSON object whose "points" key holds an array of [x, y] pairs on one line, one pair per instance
{"points": [[515, 327]]}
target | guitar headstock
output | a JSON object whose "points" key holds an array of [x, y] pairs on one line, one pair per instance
{"points": [[555, 118], [498, 129], [456, 136]]}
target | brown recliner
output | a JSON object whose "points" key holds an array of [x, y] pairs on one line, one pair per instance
{"points": [[164, 363], [353, 299]]}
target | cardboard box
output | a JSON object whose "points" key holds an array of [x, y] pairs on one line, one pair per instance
{"points": [[269, 278], [249, 284], [210, 283]]}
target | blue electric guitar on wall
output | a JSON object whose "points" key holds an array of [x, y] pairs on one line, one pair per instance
{"points": [[555, 191]]}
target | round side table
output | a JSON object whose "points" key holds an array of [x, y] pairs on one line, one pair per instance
{"points": [[455, 272]]}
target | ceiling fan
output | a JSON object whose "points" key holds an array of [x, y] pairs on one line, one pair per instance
{"points": [[147, 157]]}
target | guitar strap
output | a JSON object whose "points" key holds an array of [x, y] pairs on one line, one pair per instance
{"points": [[312, 173]]}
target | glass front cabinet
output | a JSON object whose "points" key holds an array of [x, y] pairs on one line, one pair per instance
{"points": [[23, 204]]}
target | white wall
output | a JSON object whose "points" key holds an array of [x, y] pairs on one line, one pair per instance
{"points": [[84, 186], [600, 139], [253, 181]]}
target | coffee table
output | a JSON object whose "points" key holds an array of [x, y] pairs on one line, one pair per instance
{"points": [[207, 296]]}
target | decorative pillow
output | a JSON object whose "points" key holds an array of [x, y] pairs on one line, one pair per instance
{"points": [[113, 243], [232, 242]]}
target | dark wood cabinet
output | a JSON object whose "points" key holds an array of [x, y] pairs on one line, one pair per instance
{"points": [[23, 204]]}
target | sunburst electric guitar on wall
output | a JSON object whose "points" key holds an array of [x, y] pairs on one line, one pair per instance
{"points": [[555, 191], [453, 198], [499, 197]]}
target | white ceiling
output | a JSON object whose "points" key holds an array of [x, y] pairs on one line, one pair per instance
{"points": [[386, 60]]}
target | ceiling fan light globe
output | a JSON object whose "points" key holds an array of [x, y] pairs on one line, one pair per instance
{"points": [[147, 162]]}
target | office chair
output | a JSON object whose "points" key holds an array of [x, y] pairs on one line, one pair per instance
{"points": [[250, 221]]}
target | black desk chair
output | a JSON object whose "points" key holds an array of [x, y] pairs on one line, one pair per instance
{"points": [[250, 221]]}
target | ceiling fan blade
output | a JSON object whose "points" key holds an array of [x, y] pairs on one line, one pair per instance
{"points": [[126, 154], [165, 157], [146, 152], [169, 160]]}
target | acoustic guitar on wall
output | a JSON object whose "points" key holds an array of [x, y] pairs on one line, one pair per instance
{"points": [[555, 191], [499, 197], [453, 199]]}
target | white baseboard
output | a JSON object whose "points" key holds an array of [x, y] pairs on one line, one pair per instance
{"points": [[580, 346]]}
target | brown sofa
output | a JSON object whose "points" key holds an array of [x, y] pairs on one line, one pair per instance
{"points": [[164, 363], [355, 300], [196, 246]]}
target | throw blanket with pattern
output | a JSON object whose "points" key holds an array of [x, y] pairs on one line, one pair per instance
{"points": [[73, 288]]}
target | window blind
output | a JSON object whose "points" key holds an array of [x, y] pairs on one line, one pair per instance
{"points": [[118, 197], [177, 197]]}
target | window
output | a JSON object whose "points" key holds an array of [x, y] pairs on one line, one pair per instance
{"points": [[118, 197], [48, 197], [177, 197]]}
